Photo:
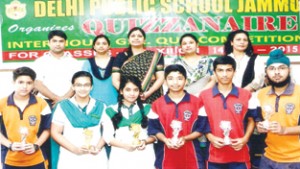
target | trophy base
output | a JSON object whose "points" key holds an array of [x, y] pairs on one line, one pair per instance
{"points": [[227, 141], [136, 142], [266, 124]]}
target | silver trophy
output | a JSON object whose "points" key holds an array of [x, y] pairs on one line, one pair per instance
{"points": [[226, 127], [268, 110], [24, 133], [177, 127]]}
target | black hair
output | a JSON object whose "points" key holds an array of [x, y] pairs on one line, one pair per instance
{"points": [[118, 117], [82, 74], [228, 47], [59, 33], [188, 35], [98, 37], [224, 60], [129, 50], [24, 71], [175, 68]]}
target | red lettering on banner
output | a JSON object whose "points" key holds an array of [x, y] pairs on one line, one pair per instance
{"points": [[231, 24], [215, 25], [148, 24], [247, 23], [169, 24], [111, 26], [191, 24], [93, 26], [265, 23], [286, 21]]}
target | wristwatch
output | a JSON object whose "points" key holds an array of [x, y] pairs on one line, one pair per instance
{"points": [[36, 147], [10, 147]]}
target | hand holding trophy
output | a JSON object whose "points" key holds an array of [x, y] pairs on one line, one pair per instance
{"points": [[136, 129], [24, 133], [226, 127], [268, 109], [177, 127], [88, 135]]}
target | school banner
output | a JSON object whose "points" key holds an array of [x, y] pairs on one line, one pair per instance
{"points": [[25, 24]]}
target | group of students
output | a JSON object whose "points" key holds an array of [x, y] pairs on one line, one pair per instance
{"points": [[113, 113]]}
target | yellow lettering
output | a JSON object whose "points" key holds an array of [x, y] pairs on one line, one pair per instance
{"points": [[81, 7], [240, 6], [204, 6], [281, 6], [59, 9], [227, 6], [294, 5], [94, 5], [39, 9], [51, 8], [130, 9], [264, 6], [250, 6], [166, 8]]}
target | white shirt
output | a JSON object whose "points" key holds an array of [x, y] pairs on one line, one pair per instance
{"points": [[56, 73], [259, 69]]}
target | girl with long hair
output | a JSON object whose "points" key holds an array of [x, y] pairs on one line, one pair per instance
{"points": [[125, 128]]}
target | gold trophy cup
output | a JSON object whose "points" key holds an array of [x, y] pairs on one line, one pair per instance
{"points": [[88, 135], [136, 129]]}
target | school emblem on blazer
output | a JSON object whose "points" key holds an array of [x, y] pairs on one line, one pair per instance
{"points": [[32, 120], [187, 115], [238, 107], [289, 108]]}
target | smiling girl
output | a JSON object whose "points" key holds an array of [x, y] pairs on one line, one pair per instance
{"points": [[125, 129]]}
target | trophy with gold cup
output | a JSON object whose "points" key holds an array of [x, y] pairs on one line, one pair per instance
{"points": [[136, 129], [88, 135]]}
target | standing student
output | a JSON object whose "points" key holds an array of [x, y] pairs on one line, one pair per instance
{"points": [[76, 127], [280, 108], [25, 124], [250, 75], [100, 67], [229, 114], [176, 124], [147, 65], [125, 129]]}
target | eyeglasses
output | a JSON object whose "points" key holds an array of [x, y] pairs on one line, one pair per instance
{"points": [[86, 85], [279, 68]]}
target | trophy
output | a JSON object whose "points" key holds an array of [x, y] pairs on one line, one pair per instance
{"points": [[226, 127], [268, 109], [88, 135], [23, 132], [177, 127], [136, 129]]}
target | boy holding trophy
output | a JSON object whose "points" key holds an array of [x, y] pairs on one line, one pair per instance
{"points": [[279, 107], [25, 124], [229, 113], [176, 124]]}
